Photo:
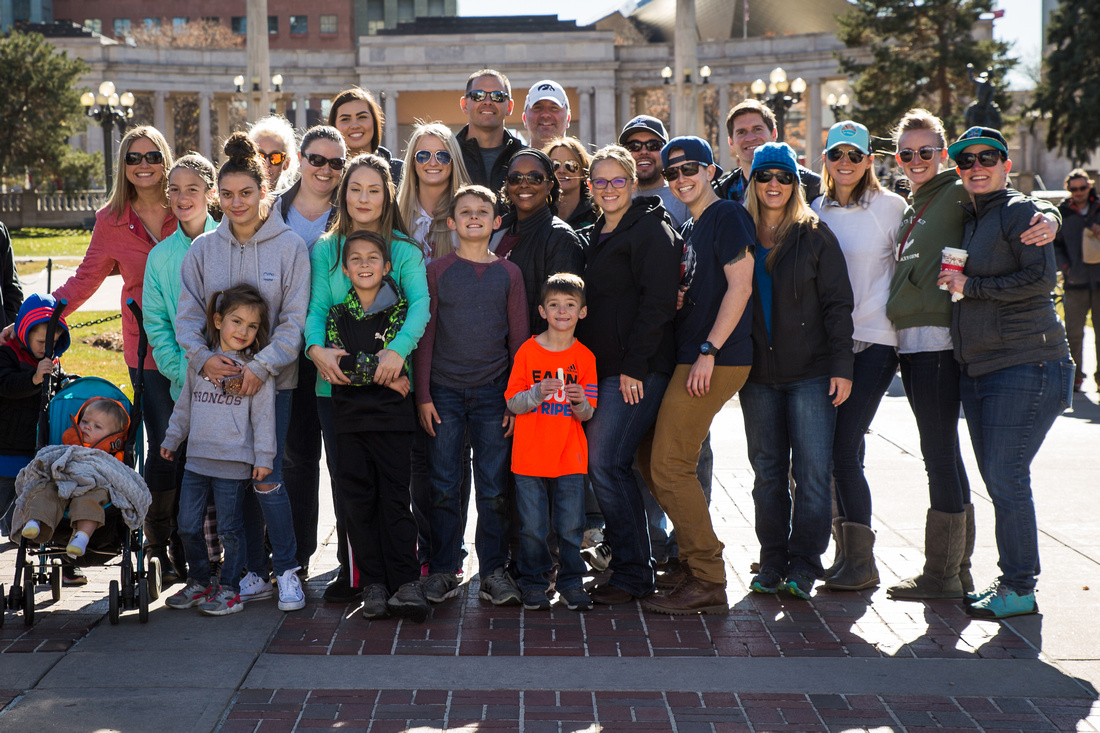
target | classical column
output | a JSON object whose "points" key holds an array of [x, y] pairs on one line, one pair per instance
{"points": [[222, 107], [813, 122], [170, 122], [686, 55], [724, 155], [301, 108], [604, 119], [390, 133], [626, 107], [159, 117], [587, 127], [259, 60], [205, 97]]}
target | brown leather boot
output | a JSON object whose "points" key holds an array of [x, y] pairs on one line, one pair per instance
{"points": [[674, 573], [694, 595]]}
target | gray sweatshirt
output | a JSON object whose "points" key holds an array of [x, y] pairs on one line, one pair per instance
{"points": [[226, 434], [275, 260]]}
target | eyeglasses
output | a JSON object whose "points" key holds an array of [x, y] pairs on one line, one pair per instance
{"points": [[517, 179], [652, 146], [926, 153], [479, 95], [785, 178], [688, 169], [441, 156], [275, 158], [987, 158], [153, 157], [836, 154], [1078, 189], [601, 183], [317, 160], [570, 166]]}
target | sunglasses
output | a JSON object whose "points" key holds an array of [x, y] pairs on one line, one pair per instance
{"points": [[987, 158], [785, 178], [836, 154], [275, 158], [317, 160], [535, 179], [479, 95], [601, 183], [688, 169], [1078, 189], [652, 146], [153, 157], [570, 166], [441, 156], [926, 153]]}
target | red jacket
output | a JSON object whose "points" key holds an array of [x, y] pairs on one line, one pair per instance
{"points": [[119, 244]]}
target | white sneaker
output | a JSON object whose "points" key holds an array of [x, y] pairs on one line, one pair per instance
{"points": [[291, 595], [254, 588]]}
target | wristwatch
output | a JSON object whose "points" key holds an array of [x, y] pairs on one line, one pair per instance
{"points": [[709, 349]]}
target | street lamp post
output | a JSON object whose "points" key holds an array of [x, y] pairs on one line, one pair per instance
{"points": [[781, 95], [256, 92], [110, 110], [838, 105]]}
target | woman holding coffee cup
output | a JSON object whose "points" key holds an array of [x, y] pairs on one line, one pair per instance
{"points": [[921, 313]]}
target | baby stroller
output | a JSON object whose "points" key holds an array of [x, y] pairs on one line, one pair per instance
{"points": [[139, 581]]}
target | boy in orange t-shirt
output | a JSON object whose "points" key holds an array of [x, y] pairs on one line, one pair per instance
{"points": [[552, 390]]}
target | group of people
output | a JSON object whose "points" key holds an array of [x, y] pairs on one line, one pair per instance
{"points": [[553, 331]]}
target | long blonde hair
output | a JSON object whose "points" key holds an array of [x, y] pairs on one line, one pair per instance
{"points": [[796, 213], [122, 193], [408, 193]]}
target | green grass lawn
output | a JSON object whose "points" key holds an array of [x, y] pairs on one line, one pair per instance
{"points": [[90, 360], [37, 242]]}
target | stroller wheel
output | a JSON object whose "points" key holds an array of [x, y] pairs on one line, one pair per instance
{"points": [[55, 579], [15, 598], [28, 602], [143, 601], [113, 599], [153, 577]]}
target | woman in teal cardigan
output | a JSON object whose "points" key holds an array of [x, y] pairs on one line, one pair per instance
{"points": [[365, 201]]}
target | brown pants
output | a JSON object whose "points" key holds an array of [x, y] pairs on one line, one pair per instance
{"points": [[47, 508]]}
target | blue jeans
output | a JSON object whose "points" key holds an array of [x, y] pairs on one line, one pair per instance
{"points": [[614, 434], [790, 426], [272, 507], [534, 497], [874, 369], [480, 411], [228, 500], [1009, 412], [931, 381]]}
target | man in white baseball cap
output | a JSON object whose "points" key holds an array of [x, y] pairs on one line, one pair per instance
{"points": [[545, 113]]}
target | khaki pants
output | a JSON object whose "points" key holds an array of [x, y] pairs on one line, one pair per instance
{"points": [[47, 508], [682, 424]]}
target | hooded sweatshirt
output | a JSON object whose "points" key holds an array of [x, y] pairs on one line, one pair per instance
{"points": [[274, 261]]}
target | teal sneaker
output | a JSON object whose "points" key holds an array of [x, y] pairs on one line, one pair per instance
{"points": [[798, 585], [1004, 602], [766, 581], [972, 598]]}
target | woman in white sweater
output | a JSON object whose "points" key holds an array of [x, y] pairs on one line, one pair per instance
{"points": [[865, 219]]}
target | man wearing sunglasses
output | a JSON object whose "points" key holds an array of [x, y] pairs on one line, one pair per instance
{"points": [[486, 145], [1077, 248], [545, 113], [750, 124], [643, 137]]}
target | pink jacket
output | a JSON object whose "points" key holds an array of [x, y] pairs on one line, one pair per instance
{"points": [[119, 244]]}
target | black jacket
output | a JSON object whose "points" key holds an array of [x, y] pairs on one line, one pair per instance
{"points": [[20, 401], [631, 282], [585, 213], [11, 295], [811, 312], [723, 184], [471, 156], [397, 166], [1067, 245]]}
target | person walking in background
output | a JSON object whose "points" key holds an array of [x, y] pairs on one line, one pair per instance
{"points": [[1077, 248]]}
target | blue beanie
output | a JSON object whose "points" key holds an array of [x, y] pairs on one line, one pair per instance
{"points": [[696, 150], [775, 156], [38, 309]]}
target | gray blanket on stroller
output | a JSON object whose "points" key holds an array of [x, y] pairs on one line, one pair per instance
{"points": [[75, 470]]}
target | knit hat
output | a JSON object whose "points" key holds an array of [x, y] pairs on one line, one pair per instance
{"points": [[851, 133], [640, 123], [775, 156], [979, 136], [696, 150], [38, 309]]}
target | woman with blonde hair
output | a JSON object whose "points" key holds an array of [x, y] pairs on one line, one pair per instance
{"points": [[275, 138], [433, 161], [571, 163]]}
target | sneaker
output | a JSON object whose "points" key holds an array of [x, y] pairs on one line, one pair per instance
{"points": [[191, 595], [592, 537], [766, 581], [291, 595], [255, 588], [499, 589], [535, 600], [222, 602], [575, 599], [71, 575], [440, 586], [374, 601], [599, 557], [798, 585], [1004, 602], [971, 598], [409, 602]]}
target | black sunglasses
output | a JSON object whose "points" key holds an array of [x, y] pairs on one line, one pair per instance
{"points": [[1078, 189], [570, 166], [652, 146], [688, 169], [535, 179], [153, 157], [853, 155], [479, 95], [926, 153], [785, 178], [317, 160], [275, 158], [988, 159], [441, 156]]}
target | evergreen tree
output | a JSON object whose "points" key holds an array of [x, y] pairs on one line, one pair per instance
{"points": [[1069, 94], [919, 52]]}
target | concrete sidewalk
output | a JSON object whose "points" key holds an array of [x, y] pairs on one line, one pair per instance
{"points": [[842, 661]]}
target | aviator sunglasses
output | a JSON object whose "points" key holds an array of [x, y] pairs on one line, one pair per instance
{"points": [[441, 156], [479, 95], [987, 158], [836, 154], [570, 166], [153, 157]]}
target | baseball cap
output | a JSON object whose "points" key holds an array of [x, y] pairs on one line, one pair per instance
{"points": [[775, 156], [979, 136], [546, 89], [643, 122], [847, 132], [696, 149]]}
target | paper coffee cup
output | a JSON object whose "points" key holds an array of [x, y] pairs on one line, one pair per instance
{"points": [[952, 260]]}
